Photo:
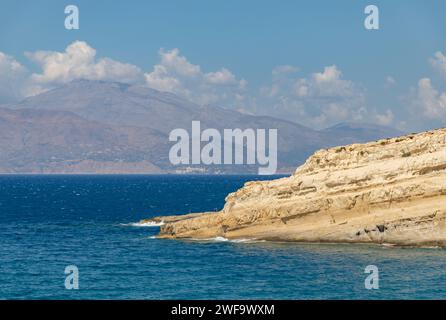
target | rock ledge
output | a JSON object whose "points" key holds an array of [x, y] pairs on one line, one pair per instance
{"points": [[389, 191]]}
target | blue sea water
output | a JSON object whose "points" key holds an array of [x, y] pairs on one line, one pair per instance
{"points": [[49, 222]]}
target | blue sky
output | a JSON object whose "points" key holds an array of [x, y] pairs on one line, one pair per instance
{"points": [[250, 38]]}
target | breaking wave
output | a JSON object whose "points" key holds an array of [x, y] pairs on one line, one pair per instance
{"points": [[143, 224]]}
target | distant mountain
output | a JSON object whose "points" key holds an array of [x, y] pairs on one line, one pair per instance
{"points": [[350, 132], [36, 141], [107, 127]]}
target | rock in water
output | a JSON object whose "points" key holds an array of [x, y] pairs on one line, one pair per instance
{"points": [[391, 191]]}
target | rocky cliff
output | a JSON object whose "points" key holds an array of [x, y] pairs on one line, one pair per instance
{"points": [[389, 191]]}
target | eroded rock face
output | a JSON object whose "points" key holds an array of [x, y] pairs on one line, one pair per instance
{"points": [[389, 191]]}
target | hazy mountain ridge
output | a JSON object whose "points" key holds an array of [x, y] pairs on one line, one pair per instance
{"points": [[107, 127]]}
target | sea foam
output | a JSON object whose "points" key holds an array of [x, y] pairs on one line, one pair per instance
{"points": [[223, 239], [143, 224]]}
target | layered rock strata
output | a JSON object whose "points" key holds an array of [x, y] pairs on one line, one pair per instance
{"points": [[389, 191]]}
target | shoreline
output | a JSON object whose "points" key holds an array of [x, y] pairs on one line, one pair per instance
{"points": [[388, 191], [430, 246]]}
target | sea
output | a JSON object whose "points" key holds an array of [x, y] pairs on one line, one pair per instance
{"points": [[51, 222]]}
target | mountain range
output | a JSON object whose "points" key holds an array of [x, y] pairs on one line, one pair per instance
{"points": [[107, 127]]}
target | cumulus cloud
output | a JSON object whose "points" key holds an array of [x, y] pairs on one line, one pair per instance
{"points": [[430, 101], [222, 77], [438, 62], [174, 73], [78, 61], [319, 100], [12, 77], [385, 119], [427, 103], [328, 84]]}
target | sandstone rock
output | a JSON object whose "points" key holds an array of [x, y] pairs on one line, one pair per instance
{"points": [[389, 191]]}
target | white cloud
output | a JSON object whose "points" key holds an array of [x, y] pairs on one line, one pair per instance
{"points": [[12, 77], [426, 103], [326, 84], [329, 84], [431, 103], [174, 73], [390, 81], [438, 62], [174, 62], [78, 61], [319, 100], [330, 74], [385, 119], [222, 77]]}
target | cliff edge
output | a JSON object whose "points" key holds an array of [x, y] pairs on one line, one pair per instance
{"points": [[389, 191]]}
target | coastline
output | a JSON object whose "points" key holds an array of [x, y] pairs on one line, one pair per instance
{"points": [[389, 191]]}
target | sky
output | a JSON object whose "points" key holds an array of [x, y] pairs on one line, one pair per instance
{"points": [[311, 62]]}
